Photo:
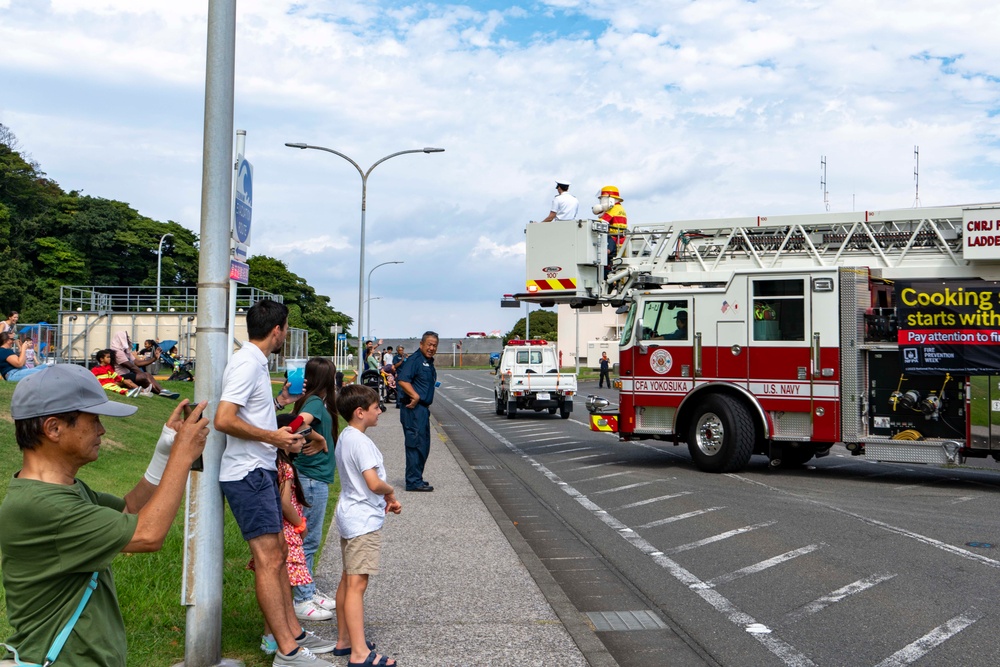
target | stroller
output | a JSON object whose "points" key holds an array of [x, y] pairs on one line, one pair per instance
{"points": [[373, 378], [389, 382], [180, 370]]}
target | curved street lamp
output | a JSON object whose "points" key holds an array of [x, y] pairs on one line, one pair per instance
{"points": [[368, 316], [159, 271], [364, 197]]}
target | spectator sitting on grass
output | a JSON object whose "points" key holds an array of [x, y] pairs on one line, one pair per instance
{"points": [[12, 362], [130, 367], [59, 537], [104, 371], [10, 324]]}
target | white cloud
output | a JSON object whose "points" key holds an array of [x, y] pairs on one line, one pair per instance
{"points": [[704, 109]]}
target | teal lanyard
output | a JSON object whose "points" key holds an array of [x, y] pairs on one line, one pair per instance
{"points": [[60, 640]]}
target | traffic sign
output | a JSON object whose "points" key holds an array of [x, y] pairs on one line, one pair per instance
{"points": [[244, 201], [241, 251], [239, 271], [341, 336]]}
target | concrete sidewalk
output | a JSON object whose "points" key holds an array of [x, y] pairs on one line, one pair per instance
{"points": [[452, 590]]}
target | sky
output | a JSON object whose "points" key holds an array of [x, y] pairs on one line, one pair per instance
{"points": [[693, 109]]}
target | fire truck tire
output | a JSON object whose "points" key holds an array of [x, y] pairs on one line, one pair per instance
{"points": [[721, 435], [511, 409], [499, 402]]}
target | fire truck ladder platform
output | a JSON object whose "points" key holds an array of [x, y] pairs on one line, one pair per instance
{"points": [[902, 243]]}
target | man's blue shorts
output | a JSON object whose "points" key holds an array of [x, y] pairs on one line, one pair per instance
{"points": [[256, 503]]}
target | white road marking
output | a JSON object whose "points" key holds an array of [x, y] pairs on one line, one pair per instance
{"points": [[649, 501], [678, 517], [819, 604], [718, 538], [918, 649], [569, 451], [597, 465], [580, 458], [610, 474], [554, 444], [623, 488], [763, 565]]}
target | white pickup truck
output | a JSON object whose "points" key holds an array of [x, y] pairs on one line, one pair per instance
{"points": [[528, 378]]}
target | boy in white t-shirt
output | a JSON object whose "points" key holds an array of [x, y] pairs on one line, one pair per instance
{"points": [[365, 499]]}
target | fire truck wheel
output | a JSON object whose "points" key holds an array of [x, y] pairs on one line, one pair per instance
{"points": [[721, 435], [511, 409], [499, 402]]}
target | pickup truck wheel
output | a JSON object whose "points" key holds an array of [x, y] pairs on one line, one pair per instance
{"points": [[565, 409], [721, 435], [511, 409], [499, 402]]}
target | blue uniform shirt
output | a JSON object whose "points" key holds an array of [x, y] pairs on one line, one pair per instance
{"points": [[419, 371]]}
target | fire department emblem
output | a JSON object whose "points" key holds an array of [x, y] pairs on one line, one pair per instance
{"points": [[660, 362]]}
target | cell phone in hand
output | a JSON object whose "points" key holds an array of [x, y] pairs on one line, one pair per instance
{"points": [[199, 463], [304, 432]]}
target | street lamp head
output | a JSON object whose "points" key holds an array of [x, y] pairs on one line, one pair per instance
{"points": [[434, 150], [291, 145]]}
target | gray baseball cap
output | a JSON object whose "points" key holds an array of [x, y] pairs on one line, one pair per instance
{"points": [[63, 388]]}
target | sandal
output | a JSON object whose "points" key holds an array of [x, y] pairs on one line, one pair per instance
{"points": [[370, 662], [341, 652]]}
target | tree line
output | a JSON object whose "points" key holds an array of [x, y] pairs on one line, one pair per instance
{"points": [[50, 237]]}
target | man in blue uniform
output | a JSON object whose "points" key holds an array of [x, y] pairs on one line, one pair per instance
{"points": [[417, 379]]}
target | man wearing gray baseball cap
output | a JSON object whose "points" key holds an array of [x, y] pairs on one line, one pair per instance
{"points": [[59, 536]]}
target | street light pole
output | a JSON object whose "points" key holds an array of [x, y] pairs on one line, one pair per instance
{"points": [[364, 196], [369, 315], [159, 271], [368, 333]]}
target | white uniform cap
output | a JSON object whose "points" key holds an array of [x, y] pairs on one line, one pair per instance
{"points": [[563, 182]]}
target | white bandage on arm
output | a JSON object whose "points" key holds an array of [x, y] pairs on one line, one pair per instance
{"points": [[160, 455]]}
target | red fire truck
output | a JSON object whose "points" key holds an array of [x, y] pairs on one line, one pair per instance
{"points": [[785, 335]]}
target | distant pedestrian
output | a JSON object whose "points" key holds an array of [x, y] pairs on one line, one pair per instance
{"points": [[417, 379], [365, 499], [10, 324], [605, 371], [13, 364], [564, 205]]}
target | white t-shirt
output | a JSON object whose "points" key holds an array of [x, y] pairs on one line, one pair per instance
{"points": [[359, 511], [566, 206], [387, 358], [247, 384]]}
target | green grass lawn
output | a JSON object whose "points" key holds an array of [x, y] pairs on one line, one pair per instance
{"points": [[149, 584]]}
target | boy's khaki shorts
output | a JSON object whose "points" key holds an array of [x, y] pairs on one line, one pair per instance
{"points": [[361, 554]]}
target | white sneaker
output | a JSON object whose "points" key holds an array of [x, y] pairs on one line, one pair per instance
{"points": [[316, 644], [308, 611], [132, 393], [324, 601], [148, 391], [302, 657]]}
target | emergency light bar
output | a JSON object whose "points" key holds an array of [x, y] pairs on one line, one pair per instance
{"points": [[532, 341]]}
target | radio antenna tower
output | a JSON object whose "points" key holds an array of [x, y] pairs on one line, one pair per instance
{"points": [[822, 182], [916, 176]]}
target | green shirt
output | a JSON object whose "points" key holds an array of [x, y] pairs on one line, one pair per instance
{"points": [[319, 466], [54, 538]]}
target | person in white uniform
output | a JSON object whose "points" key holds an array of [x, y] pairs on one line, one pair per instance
{"points": [[564, 205]]}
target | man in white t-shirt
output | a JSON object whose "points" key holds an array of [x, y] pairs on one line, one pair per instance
{"points": [[249, 480], [564, 205]]}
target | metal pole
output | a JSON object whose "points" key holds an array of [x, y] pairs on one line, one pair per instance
{"points": [[577, 341], [368, 334], [369, 317], [159, 270], [201, 586], [527, 321], [364, 199]]}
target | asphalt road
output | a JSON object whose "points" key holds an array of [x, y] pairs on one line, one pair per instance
{"points": [[842, 562]]}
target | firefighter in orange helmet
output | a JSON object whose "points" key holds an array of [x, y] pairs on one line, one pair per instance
{"points": [[610, 209]]}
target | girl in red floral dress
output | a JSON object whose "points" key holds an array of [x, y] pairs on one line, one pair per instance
{"points": [[294, 524]]}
